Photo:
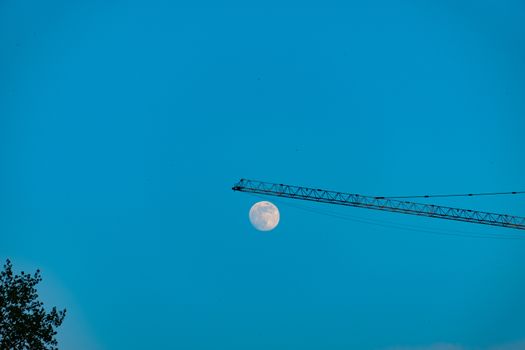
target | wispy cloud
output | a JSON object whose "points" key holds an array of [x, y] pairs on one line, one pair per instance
{"points": [[518, 345], [437, 346]]}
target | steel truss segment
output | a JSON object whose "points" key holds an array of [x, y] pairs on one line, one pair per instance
{"points": [[379, 203]]}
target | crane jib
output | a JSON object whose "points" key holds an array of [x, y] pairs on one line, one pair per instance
{"points": [[379, 203]]}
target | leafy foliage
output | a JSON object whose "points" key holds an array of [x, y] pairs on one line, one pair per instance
{"points": [[24, 323]]}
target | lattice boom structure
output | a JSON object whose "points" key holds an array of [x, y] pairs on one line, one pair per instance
{"points": [[379, 203]]}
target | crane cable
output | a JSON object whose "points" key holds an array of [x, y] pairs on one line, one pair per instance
{"points": [[452, 195], [397, 226]]}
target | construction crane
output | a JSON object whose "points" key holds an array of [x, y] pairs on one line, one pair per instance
{"points": [[382, 203]]}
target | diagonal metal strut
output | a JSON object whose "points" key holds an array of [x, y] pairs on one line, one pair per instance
{"points": [[379, 203]]}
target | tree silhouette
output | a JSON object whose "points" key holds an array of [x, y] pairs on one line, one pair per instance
{"points": [[24, 323]]}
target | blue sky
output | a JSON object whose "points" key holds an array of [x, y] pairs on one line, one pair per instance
{"points": [[123, 126]]}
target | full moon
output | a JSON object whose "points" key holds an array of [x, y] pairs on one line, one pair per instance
{"points": [[264, 216]]}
